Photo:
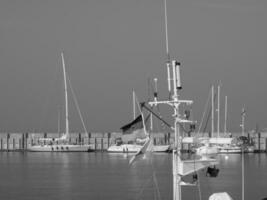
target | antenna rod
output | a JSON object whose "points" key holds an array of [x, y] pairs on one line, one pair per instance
{"points": [[66, 96]]}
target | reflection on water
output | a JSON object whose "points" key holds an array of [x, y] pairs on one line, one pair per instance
{"points": [[67, 176]]}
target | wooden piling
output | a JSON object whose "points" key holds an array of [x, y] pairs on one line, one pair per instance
{"points": [[26, 140], [20, 146], [79, 138], [89, 138], [2, 144], [14, 144], [108, 139], [102, 144], [7, 142]]}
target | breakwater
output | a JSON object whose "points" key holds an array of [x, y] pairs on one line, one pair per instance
{"points": [[101, 141]]}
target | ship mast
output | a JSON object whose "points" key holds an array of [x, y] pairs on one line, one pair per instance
{"points": [[66, 98], [212, 111], [243, 114], [180, 168], [174, 84]]}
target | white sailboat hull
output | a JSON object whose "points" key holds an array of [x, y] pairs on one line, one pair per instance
{"points": [[230, 149], [133, 148], [124, 148], [61, 148], [161, 148]]}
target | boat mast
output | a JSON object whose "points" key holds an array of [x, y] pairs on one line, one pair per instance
{"points": [[225, 115], [66, 98], [134, 104], [243, 114], [218, 110], [212, 110]]}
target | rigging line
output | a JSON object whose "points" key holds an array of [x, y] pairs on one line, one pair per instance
{"points": [[77, 105], [143, 187], [143, 119], [198, 180], [198, 186], [209, 114], [204, 113], [155, 179]]}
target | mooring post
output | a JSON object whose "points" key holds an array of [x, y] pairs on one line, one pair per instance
{"points": [[102, 144], [7, 141], [80, 139], [109, 135], [14, 144], [259, 141], [1, 144], [89, 137], [26, 140], [95, 143]]}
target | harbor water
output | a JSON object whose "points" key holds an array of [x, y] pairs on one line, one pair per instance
{"points": [[108, 176]]}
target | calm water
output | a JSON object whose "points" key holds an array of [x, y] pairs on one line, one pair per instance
{"points": [[98, 176]]}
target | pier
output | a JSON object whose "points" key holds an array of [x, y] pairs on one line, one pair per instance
{"points": [[101, 141]]}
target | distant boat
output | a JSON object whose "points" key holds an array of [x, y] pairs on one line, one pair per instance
{"points": [[133, 135], [133, 139], [62, 143], [230, 149]]}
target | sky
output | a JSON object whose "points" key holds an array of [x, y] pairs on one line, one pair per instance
{"points": [[114, 46]]}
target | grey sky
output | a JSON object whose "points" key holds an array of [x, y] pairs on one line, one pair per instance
{"points": [[112, 46]]}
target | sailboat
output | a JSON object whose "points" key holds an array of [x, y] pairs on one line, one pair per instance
{"points": [[134, 134], [61, 144], [180, 167]]}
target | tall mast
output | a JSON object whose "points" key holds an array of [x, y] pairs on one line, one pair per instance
{"points": [[66, 97], [166, 32], [218, 110], [212, 110], [174, 85], [243, 114], [134, 115], [168, 61], [225, 115]]}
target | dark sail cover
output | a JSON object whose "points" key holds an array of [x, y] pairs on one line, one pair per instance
{"points": [[132, 126]]}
